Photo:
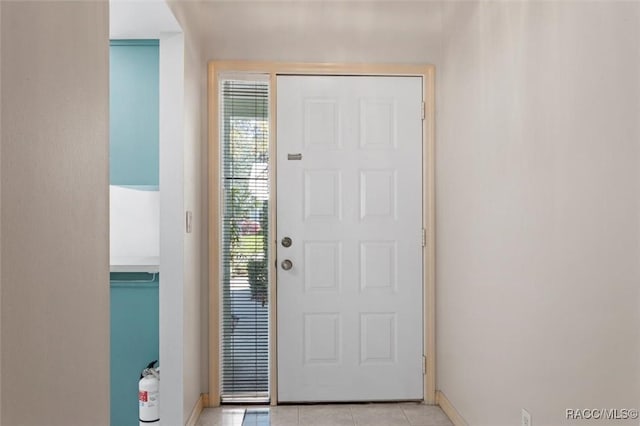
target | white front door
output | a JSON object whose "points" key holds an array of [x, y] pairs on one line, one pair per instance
{"points": [[349, 198]]}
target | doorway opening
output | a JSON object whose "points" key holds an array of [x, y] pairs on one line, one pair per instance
{"points": [[378, 329]]}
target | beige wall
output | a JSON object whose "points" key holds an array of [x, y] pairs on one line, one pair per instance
{"points": [[194, 297], [54, 224], [537, 209], [0, 213], [193, 177]]}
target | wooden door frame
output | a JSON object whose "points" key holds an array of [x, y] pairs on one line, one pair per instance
{"points": [[273, 69]]}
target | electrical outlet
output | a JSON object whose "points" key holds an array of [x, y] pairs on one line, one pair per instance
{"points": [[526, 418]]}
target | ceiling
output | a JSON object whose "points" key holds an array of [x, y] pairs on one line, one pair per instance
{"points": [[314, 30], [136, 19]]}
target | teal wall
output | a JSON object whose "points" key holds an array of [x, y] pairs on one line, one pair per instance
{"points": [[134, 145], [134, 112], [134, 341]]}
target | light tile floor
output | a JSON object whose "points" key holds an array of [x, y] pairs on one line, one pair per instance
{"points": [[401, 414]]}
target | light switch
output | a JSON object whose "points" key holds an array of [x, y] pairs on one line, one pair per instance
{"points": [[189, 221]]}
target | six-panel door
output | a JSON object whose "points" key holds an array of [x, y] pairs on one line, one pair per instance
{"points": [[349, 196]]}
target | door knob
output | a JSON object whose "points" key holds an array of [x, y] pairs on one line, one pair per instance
{"points": [[286, 264], [286, 242]]}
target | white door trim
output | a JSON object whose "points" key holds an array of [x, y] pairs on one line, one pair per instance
{"points": [[272, 69]]}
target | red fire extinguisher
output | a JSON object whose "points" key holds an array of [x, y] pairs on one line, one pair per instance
{"points": [[148, 395]]}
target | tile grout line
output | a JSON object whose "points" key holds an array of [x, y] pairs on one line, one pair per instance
{"points": [[405, 416], [353, 418]]}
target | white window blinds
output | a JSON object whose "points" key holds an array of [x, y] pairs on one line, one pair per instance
{"points": [[245, 179]]}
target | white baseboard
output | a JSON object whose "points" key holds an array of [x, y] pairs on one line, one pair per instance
{"points": [[450, 410], [195, 413]]}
